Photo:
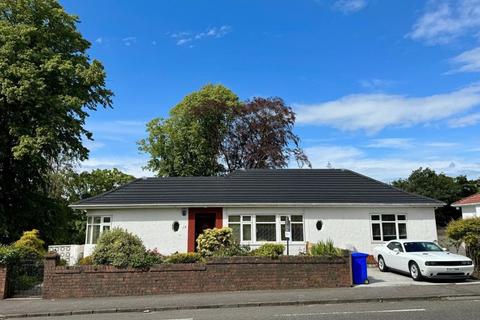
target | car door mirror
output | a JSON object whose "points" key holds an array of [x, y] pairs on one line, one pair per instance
{"points": [[444, 249], [396, 250]]}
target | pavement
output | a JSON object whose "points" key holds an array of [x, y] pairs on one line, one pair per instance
{"points": [[405, 310], [16, 308]]}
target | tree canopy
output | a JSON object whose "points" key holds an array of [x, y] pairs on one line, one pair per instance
{"points": [[211, 132], [427, 182], [48, 85]]}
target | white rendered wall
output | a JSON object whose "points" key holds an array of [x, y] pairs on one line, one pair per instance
{"points": [[153, 226], [471, 211], [349, 228]]}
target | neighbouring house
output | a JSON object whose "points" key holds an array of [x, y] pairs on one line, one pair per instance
{"points": [[355, 211], [470, 206]]}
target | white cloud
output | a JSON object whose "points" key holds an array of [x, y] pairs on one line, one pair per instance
{"points": [[128, 41], [468, 120], [349, 6], [468, 61], [388, 168], [184, 37], [99, 40], [130, 165], [374, 112], [391, 143], [445, 20]]}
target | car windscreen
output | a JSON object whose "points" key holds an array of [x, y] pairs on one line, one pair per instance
{"points": [[421, 246]]}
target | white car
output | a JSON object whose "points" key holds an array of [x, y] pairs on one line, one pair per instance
{"points": [[422, 259]]}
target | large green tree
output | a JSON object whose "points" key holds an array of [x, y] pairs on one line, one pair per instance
{"points": [[211, 132], [427, 182], [187, 143], [48, 85], [68, 186]]}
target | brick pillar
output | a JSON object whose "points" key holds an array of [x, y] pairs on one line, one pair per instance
{"points": [[3, 281], [50, 262]]}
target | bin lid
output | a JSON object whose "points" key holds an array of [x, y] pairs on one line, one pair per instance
{"points": [[359, 255]]}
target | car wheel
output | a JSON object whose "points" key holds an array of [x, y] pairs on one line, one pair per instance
{"points": [[415, 272], [381, 264]]}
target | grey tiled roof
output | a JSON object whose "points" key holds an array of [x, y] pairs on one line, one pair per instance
{"points": [[330, 186]]}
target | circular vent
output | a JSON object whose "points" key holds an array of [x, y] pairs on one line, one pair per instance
{"points": [[175, 226], [319, 225]]}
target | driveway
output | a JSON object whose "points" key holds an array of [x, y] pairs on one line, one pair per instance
{"points": [[392, 279]]}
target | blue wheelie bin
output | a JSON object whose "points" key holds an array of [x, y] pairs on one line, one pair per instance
{"points": [[359, 268]]}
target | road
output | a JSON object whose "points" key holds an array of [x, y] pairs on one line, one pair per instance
{"points": [[458, 309]]}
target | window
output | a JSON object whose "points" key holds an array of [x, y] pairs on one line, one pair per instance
{"points": [[241, 227], [95, 226], [296, 225], [266, 228], [386, 227]]}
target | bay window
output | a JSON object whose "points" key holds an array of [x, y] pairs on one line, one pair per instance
{"points": [[386, 227], [95, 226]]}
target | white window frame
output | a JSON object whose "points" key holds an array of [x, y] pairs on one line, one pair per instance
{"points": [[278, 223], [380, 222], [241, 223], [292, 222], [91, 224]]}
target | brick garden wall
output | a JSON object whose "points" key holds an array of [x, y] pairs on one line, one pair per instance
{"points": [[3, 281], [220, 274]]}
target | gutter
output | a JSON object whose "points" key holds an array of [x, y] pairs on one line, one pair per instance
{"points": [[253, 205]]}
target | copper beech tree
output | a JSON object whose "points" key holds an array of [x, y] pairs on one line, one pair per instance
{"points": [[261, 136]]}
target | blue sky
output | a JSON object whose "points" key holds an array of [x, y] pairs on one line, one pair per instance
{"points": [[380, 87]]}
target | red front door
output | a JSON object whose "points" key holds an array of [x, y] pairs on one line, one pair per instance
{"points": [[200, 219]]}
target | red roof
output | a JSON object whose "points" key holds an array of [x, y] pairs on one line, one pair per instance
{"points": [[473, 199]]}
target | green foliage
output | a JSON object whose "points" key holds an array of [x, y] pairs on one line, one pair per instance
{"points": [[427, 182], [234, 250], [271, 250], [187, 144], [48, 87], [213, 240], [190, 257], [85, 261], [326, 249], [468, 232], [211, 132], [119, 248], [69, 186], [30, 241], [8, 254], [148, 259]]}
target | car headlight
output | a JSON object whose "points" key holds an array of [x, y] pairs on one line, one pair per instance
{"points": [[467, 263], [431, 263]]}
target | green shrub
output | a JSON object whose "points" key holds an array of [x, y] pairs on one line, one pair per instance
{"points": [[213, 240], [233, 250], [150, 258], [30, 241], [190, 257], [85, 261], [468, 232], [119, 248], [8, 255], [326, 249], [272, 250]]}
